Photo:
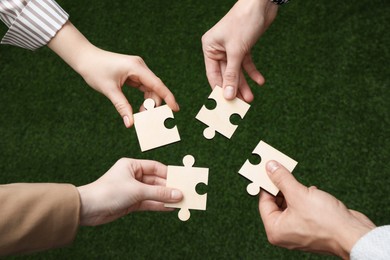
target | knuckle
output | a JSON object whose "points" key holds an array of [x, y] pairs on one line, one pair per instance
{"points": [[120, 107], [237, 53], [139, 60], [125, 161], [122, 160], [163, 193], [279, 182], [157, 82], [231, 76], [213, 73], [273, 239], [128, 163], [204, 39]]}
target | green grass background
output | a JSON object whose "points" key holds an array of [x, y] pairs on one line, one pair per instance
{"points": [[325, 104]]}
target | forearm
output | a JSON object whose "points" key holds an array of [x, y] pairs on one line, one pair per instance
{"points": [[349, 232], [37, 217], [71, 45]]}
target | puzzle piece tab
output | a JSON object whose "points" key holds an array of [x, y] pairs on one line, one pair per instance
{"points": [[258, 174], [185, 179], [218, 119], [150, 128]]}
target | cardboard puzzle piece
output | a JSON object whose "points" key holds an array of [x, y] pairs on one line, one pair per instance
{"points": [[150, 128], [185, 179], [258, 174], [218, 119]]}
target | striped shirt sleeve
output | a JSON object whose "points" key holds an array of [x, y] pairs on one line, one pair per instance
{"points": [[32, 23]]}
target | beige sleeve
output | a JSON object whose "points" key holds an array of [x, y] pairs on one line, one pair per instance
{"points": [[35, 217]]}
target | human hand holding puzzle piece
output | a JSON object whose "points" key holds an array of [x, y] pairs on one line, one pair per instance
{"points": [[152, 133], [185, 179], [258, 174]]}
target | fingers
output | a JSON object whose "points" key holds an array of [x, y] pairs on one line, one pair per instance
{"points": [[161, 194], [152, 95], [213, 71], [244, 89], [284, 180], [252, 71], [153, 83], [149, 205], [150, 167], [222, 65], [153, 180], [122, 106], [153, 183], [269, 210], [231, 76]]}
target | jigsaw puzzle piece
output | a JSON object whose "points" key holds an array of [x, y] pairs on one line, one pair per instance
{"points": [[218, 119], [185, 179], [258, 174], [150, 128]]}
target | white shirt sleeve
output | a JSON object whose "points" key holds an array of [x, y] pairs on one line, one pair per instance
{"points": [[374, 245], [32, 23]]}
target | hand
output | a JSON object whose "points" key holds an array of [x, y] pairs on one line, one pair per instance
{"points": [[107, 72], [130, 185], [307, 218], [227, 47]]}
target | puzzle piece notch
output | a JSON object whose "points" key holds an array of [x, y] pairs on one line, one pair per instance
{"points": [[218, 119], [186, 178], [258, 174], [150, 126]]}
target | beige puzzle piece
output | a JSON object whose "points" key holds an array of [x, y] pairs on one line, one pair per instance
{"points": [[218, 119], [150, 128], [258, 174], [185, 179]]}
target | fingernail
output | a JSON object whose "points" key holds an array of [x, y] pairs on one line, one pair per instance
{"points": [[229, 92], [272, 166], [176, 194], [126, 121]]}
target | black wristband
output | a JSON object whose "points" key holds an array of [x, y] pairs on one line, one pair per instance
{"points": [[279, 2]]}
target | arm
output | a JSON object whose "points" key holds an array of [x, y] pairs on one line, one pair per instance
{"points": [[107, 72], [227, 47], [37, 217], [130, 185], [36, 23], [309, 219]]}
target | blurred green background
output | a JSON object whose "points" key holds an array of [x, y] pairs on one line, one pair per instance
{"points": [[325, 104]]}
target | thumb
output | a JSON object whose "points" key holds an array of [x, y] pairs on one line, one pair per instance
{"points": [[162, 194], [283, 179], [231, 76], [122, 106]]}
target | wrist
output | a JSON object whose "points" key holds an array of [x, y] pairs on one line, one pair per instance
{"points": [[84, 198], [349, 235]]}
